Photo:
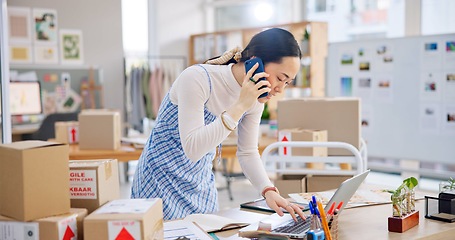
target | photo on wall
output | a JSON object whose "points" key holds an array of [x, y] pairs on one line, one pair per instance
{"points": [[20, 53], [364, 66], [46, 54], [45, 26], [71, 47], [346, 86], [19, 25], [450, 46]]}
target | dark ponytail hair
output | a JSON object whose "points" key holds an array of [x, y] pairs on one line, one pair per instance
{"points": [[272, 45]]}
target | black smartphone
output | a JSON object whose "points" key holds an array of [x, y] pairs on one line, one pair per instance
{"points": [[249, 64]]}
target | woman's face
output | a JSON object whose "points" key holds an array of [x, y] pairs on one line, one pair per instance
{"points": [[281, 75]]}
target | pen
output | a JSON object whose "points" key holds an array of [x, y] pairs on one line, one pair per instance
{"points": [[331, 208], [335, 212], [325, 225], [339, 205], [310, 205]]}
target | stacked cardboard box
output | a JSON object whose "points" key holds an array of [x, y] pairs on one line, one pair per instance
{"points": [[126, 219], [67, 132], [93, 183], [308, 135], [339, 116], [34, 199], [99, 129], [34, 180], [287, 184], [65, 226]]}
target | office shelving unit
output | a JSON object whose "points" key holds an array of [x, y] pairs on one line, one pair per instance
{"points": [[312, 75]]}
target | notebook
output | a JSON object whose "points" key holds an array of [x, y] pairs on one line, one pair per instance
{"points": [[299, 229]]}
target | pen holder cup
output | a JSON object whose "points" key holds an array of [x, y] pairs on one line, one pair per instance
{"points": [[333, 226], [440, 208]]}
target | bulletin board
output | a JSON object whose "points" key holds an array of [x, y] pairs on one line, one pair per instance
{"points": [[407, 91], [61, 87]]}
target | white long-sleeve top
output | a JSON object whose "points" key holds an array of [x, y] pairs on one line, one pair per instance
{"points": [[191, 92]]}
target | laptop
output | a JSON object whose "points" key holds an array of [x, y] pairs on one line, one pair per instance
{"points": [[285, 226]]}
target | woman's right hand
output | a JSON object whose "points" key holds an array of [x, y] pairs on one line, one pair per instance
{"points": [[251, 90]]}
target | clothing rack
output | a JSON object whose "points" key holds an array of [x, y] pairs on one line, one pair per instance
{"points": [[148, 58], [147, 79]]}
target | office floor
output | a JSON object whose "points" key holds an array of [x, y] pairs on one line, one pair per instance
{"points": [[243, 191]]}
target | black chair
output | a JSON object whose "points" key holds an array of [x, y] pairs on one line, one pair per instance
{"points": [[47, 129]]}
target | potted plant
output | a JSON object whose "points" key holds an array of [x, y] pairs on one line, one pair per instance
{"points": [[403, 198], [305, 41], [447, 186]]}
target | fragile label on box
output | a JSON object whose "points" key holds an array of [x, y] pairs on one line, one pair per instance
{"points": [[83, 184], [124, 229], [67, 228], [19, 231], [285, 136]]}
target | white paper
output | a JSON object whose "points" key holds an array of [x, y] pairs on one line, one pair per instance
{"points": [[430, 85], [449, 54], [211, 222], [19, 231], [430, 118], [431, 54], [448, 120], [183, 228], [383, 88], [449, 85], [362, 88]]}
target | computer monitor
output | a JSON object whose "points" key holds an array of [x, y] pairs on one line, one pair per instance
{"points": [[25, 98]]}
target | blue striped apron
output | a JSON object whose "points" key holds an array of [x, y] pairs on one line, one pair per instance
{"points": [[165, 172]]}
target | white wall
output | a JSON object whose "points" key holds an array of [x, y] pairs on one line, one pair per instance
{"points": [[176, 20], [101, 25]]}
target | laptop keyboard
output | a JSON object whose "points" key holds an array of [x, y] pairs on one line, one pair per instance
{"points": [[294, 227]]}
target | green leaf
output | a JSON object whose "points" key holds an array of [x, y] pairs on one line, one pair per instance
{"points": [[411, 182]]}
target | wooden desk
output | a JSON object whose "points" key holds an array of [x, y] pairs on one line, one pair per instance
{"points": [[124, 154], [128, 152], [229, 148], [366, 223]]}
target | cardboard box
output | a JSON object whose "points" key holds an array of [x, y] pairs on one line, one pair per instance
{"points": [[287, 184], [298, 134], [339, 116], [309, 135], [319, 183], [93, 183], [119, 219], [99, 129], [67, 132], [65, 226], [34, 180]]}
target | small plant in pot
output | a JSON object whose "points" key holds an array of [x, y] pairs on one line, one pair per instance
{"points": [[403, 198], [447, 186]]}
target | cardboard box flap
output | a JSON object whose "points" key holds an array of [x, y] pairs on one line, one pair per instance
{"points": [[89, 163], [22, 145], [99, 112]]}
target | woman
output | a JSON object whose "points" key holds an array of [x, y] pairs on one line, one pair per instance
{"points": [[203, 106]]}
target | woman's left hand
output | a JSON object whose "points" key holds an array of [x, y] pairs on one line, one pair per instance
{"points": [[277, 203]]}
